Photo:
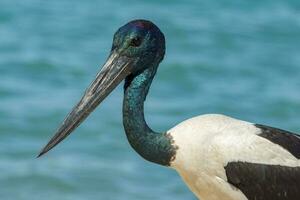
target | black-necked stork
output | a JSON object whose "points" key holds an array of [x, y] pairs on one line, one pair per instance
{"points": [[219, 158]]}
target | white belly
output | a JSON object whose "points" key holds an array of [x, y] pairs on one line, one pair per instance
{"points": [[207, 143], [210, 187]]}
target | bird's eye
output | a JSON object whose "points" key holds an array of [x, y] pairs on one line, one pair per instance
{"points": [[135, 42]]}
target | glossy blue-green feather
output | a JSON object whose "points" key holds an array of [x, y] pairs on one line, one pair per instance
{"points": [[154, 147]]}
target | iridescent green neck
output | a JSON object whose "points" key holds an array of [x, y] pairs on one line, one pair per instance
{"points": [[154, 147]]}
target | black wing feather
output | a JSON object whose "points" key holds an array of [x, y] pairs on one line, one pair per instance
{"points": [[289, 141], [265, 182]]}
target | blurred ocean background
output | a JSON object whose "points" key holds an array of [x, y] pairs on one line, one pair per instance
{"points": [[240, 58]]}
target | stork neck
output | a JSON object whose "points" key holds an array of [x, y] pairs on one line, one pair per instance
{"points": [[154, 147]]}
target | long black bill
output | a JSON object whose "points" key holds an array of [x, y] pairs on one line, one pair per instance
{"points": [[112, 73]]}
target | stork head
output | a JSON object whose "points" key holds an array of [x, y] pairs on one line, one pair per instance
{"points": [[136, 46], [140, 41]]}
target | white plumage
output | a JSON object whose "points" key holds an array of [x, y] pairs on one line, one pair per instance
{"points": [[207, 143]]}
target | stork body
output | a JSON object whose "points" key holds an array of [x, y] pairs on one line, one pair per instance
{"points": [[224, 158], [217, 156]]}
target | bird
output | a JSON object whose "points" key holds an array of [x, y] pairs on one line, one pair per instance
{"points": [[217, 156]]}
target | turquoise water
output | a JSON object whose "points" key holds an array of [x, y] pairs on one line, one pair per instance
{"points": [[233, 57]]}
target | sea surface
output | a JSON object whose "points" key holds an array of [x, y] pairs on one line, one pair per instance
{"points": [[235, 57]]}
